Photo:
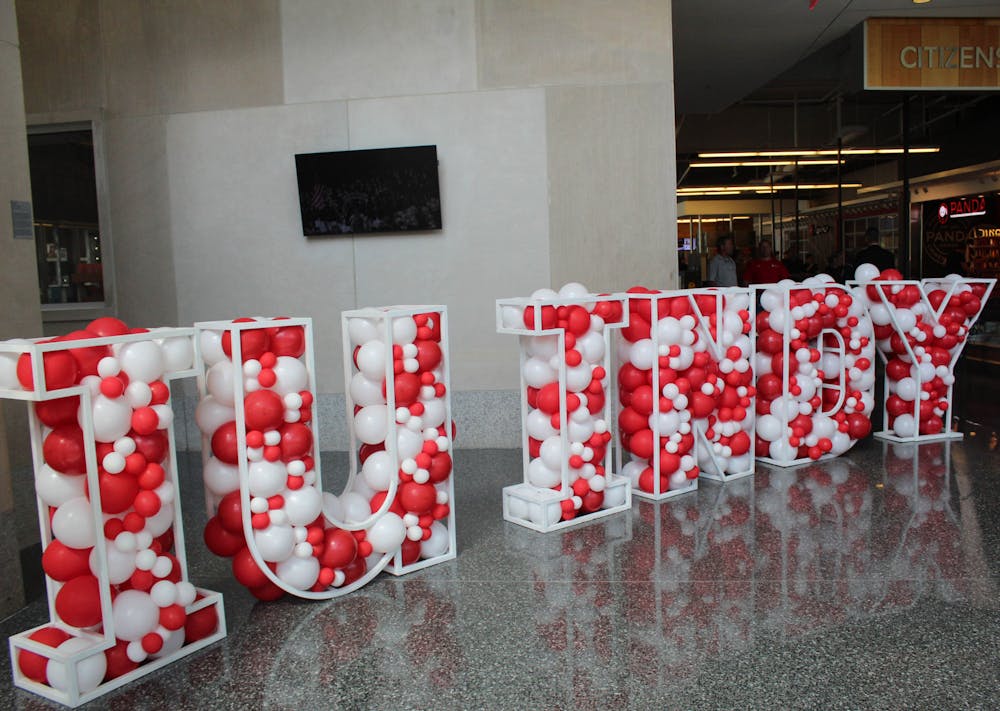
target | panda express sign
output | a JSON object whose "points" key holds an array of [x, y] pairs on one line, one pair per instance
{"points": [[932, 53]]}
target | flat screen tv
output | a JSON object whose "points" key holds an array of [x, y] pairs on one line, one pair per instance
{"points": [[369, 191]]}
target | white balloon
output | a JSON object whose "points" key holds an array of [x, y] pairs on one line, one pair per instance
{"points": [[879, 314], [303, 505], [55, 488], [434, 412], [121, 564], [89, 671], [371, 360], [221, 478], [212, 414], [542, 476], [333, 510], [371, 424], [73, 523], [866, 272], [906, 319], [438, 543], [580, 431], [543, 347], [362, 330], [782, 451], [142, 361], [275, 543], [614, 496], [907, 389], [366, 392], [173, 642], [538, 373], [221, 384], [178, 354], [8, 371], [408, 443], [135, 615], [300, 573], [769, 427], [539, 425], [379, 470], [643, 354], [211, 347], [355, 507], [579, 377], [267, 478], [904, 425], [112, 418], [404, 330], [291, 376], [591, 346], [573, 290], [551, 452], [387, 534], [158, 523]]}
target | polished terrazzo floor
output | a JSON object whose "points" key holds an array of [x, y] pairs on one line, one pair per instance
{"points": [[870, 581]]}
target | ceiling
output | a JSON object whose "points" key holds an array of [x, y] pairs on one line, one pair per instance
{"points": [[725, 50]]}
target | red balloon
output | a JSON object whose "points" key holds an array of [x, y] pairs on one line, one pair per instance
{"points": [[253, 343], [107, 326], [78, 602], [63, 450], [246, 571], [739, 443], [62, 563], [264, 410], [118, 491], [118, 662], [630, 377], [577, 320], [268, 592], [87, 357], [145, 421], [230, 513], [153, 447], [440, 467], [339, 548], [221, 541], [897, 369], [367, 450], [201, 624], [769, 386], [631, 421], [355, 569], [418, 498], [406, 387], [770, 341], [641, 443], [410, 551], [428, 355], [858, 426], [549, 318], [61, 411], [34, 665], [702, 405], [288, 341], [296, 440], [59, 368], [224, 443], [547, 399], [379, 498], [646, 481], [642, 400]]}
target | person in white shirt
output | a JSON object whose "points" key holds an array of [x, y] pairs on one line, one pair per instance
{"points": [[722, 267]]}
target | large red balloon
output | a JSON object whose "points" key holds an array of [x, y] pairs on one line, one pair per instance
{"points": [[63, 450], [61, 411], [107, 326], [246, 571], [418, 498], [153, 447], [406, 387], [117, 491], [34, 665], [440, 467], [224, 443], [428, 355], [296, 440], [59, 369], [201, 624], [264, 410], [86, 357], [339, 548], [221, 541], [78, 602], [253, 343], [288, 341], [62, 563], [641, 443], [230, 513], [118, 662]]}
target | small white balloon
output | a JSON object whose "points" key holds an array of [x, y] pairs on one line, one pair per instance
{"points": [[437, 544]]}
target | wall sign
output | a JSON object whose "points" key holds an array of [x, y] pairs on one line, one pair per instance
{"points": [[20, 218], [932, 53]]}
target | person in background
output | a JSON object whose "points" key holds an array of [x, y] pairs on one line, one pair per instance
{"points": [[839, 269], [875, 253], [793, 263], [765, 269], [722, 268]]}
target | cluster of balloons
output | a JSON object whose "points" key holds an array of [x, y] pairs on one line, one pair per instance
{"points": [[920, 330], [130, 414], [685, 374], [566, 394], [819, 334], [291, 521]]}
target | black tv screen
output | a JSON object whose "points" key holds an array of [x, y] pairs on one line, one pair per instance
{"points": [[361, 192]]}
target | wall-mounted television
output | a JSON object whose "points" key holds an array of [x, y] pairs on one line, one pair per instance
{"points": [[369, 191]]}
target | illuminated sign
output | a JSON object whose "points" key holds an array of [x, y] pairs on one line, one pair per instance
{"points": [[961, 207]]}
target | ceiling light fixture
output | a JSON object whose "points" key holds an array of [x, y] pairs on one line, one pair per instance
{"points": [[790, 153], [765, 162], [737, 189]]}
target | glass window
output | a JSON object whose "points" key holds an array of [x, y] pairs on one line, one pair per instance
{"points": [[67, 226]]}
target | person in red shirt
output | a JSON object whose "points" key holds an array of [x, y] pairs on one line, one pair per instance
{"points": [[765, 269]]}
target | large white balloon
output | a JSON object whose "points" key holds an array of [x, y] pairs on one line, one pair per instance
{"points": [[379, 470], [542, 476], [73, 523], [408, 443], [551, 452], [178, 354], [591, 346], [643, 354], [904, 425], [89, 671], [538, 373], [55, 488], [539, 425], [355, 507], [142, 361], [221, 478], [769, 427], [434, 412], [211, 347], [121, 564], [362, 330], [135, 615], [211, 414], [404, 330], [112, 418], [371, 360], [267, 478], [158, 523], [300, 573], [275, 543], [291, 374], [220, 382], [303, 505], [366, 392], [386, 535], [866, 272], [438, 543], [371, 424]]}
